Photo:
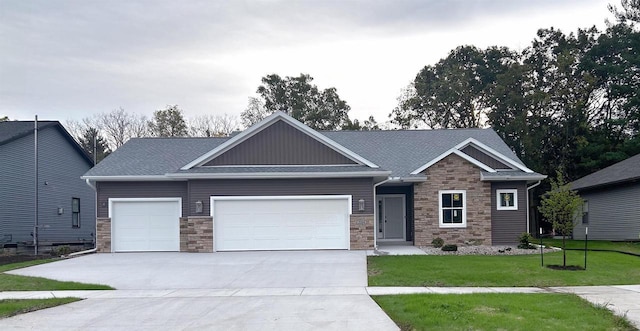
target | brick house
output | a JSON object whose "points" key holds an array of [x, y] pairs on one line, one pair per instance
{"points": [[281, 185]]}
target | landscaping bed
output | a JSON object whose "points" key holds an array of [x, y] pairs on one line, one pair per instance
{"points": [[484, 250]]}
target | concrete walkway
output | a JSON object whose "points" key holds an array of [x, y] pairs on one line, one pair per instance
{"points": [[623, 300]]}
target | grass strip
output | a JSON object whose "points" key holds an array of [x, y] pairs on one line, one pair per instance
{"points": [[12, 307], [604, 268], [498, 311]]}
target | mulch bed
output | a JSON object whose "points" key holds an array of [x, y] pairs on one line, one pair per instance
{"points": [[7, 259]]}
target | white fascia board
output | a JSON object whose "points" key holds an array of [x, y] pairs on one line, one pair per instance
{"points": [[492, 152], [457, 152], [489, 178], [248, 133], [407, 179], [270, 175], [127, 178]]}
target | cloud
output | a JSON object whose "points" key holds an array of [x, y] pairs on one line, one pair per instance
{"points": [[71, 58]]}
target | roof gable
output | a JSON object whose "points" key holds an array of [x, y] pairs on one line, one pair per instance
{"points": [[13, 130], [484, 149], [279, 140], [280, 144]]}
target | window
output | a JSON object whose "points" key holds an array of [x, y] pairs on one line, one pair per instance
{"points": [[75, 212], [585, 212], [453, 209], [507, 199]]}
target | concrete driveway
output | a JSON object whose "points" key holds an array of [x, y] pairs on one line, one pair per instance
{"points": [[215, 270], [289, 290]]}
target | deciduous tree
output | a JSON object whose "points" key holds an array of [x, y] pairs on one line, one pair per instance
{"points": [[168, 122]]}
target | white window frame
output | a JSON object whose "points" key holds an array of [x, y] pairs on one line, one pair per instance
{"points": [[499, 201], [464, 209]]}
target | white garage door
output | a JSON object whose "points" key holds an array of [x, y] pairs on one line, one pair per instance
{"points": [[145, 225], [281, 223]]}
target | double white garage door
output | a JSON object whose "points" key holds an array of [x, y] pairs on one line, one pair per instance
{"points": [[240, 223]]}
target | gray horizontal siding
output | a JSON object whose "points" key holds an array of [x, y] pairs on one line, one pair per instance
{"points": [[60, 168], [614, 214], [507, 225], [484, 158], [107, 190], [280, 144], [358, 188]]}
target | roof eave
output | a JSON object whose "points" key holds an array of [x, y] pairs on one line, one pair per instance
{"points": [[509, 178], [275, 175]]}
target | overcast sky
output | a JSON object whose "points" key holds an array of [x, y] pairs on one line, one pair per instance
{"points": [[70, 59]]}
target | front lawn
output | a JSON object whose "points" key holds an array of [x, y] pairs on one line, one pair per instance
{"points": [[621, 246], [603, 268], [24, 283], [498, 312], [13, 307]]}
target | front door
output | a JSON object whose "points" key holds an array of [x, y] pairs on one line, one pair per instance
{"points": [[391, 217]]}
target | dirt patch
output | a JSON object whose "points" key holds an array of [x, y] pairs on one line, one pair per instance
{"points": [[569, 267]]}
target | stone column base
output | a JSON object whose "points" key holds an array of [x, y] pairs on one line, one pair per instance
{"points": [[103, 235], [362, 232], [196, 234]]}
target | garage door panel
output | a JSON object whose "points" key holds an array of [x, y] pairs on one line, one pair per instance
{"points": [[146, 225], [277, 224]]}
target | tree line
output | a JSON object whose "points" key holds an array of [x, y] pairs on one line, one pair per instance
{"points": [[321, 109], [567, 101]]}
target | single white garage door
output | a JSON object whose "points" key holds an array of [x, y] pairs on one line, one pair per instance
{"points": [[145, 225], [281, 223]]}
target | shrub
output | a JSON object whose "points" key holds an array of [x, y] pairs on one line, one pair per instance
{"points": [[450, 248], [61, 250], [525, 241], [437, 242]]}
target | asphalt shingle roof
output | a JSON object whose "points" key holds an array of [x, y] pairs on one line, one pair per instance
{"points": [[401, 151], [627, 170]]}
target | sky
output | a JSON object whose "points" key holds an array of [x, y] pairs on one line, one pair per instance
{"points": [[67, 60]]}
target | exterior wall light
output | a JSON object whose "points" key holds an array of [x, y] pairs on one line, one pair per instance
{"points": [[361, 205], [60, 210], [199, 207]]}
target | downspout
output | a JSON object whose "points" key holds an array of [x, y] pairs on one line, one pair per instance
{"points": [[529, 188], [375, 213], [95, 207]]}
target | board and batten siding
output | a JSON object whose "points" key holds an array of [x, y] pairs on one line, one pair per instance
{"points": [[507, 225], [358, 188], [280, 144], [166, 189], [614, 213], [60, 167], [484, 158]]}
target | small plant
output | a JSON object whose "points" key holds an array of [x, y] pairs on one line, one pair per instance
{"points": [[525, 241], [437, 242], [450, 248], [61, 250]]}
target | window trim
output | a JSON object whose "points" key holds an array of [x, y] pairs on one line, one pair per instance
{"points": [[74, 213], [515, 199], [464, 209]]}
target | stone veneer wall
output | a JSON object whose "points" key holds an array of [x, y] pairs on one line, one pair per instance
{"points": [[196, 234], [103, 235], [361, 227], [453, 173]]}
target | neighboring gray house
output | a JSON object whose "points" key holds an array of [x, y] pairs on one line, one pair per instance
{"points": [[281, 185], [612, 202], [66, 203]]}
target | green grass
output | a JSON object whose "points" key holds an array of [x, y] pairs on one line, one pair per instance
{"points": [[622, 246], [603, 268], [498, 312], [13, 307], [25, 283]]}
